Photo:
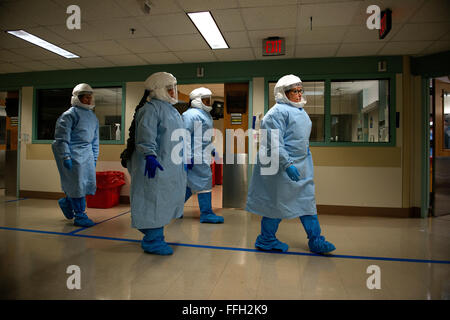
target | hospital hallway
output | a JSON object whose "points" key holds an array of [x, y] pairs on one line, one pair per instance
{"points": [[37, 246]]}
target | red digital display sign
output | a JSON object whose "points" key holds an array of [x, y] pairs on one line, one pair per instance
{"points": [[273, 46], [385, 23]]}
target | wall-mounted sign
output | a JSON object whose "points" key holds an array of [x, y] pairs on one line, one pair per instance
{"points": [[385, 23], [273, 46]]}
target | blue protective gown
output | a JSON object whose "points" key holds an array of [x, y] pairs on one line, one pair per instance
{"points": [[76, 136], [156, 201], [277, 196], [199, 178]]}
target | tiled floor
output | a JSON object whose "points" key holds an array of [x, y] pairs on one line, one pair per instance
{"points": [[37, 245]]}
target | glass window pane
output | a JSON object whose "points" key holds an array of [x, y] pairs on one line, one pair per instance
{"points": [[315, 106], [360, 111], [51, 103], [446, 105]]}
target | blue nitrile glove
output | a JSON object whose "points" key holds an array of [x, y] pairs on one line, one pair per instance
{"points": [[293, 173], [150, 166], [68, 163], [213, 152]]}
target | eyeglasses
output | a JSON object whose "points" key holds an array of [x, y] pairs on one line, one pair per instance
{"points": [[295, 91]]}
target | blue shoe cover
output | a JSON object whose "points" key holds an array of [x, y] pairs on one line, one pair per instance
{"points": [[270, 245], [66, 208], [206, 213], [320, 245], [82, 220], [157, 247], [210, 218], [153, 242]]}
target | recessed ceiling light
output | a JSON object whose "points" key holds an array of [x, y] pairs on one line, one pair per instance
{"points": [[42, 43], [209, 30]]}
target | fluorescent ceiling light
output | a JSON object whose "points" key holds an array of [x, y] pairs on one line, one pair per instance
{"points": [[206, 25], [42, 43]]}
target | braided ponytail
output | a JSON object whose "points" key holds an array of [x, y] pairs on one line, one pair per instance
{"points": [[126, 154]]}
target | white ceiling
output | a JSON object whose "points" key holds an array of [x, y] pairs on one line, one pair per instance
{"points": [[167, 36]]}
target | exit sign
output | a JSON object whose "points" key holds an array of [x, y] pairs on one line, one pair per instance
{"points": [[273, 46], [385, 23]]}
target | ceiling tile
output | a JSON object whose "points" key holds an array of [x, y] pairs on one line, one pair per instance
{"points": [[402, 10], [35, 53], [322, 35], [34, 65], [404, 47], [237, 39], [63, 63], [11, 68], [228, 20], [432, 11], [363, 34], [86, 33], [201, 5], [125, 60], [9, 56], [142, 45], [166, 25], [196, 56], [23, 14], [263, 3], [120, 28], [184, 42], [160, 58], [95, 10], [79, 51], [234, 54], [256, 37], [134, 7], [325, 15], [437, 46], [359, 49], [107, 47], [95, 62], [273, 18], [422, 31], [316, 50]]}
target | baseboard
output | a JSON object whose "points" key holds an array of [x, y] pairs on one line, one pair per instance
{"points": [[413, 212]]}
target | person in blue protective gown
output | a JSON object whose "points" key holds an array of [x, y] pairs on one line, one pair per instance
{"points": [[290, 192], [158, 184], [76, 148], [197, 121]]}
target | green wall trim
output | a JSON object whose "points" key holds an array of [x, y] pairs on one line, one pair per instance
{"points": [[328, 78], [432, 66], [213, 71], [63, 85]]}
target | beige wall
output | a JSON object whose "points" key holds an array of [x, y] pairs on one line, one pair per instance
{"points": [[348, 176]]}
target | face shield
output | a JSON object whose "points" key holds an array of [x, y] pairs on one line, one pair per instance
{"points": [[162, 86], [201, 98], [285, 84], [83, 96]]}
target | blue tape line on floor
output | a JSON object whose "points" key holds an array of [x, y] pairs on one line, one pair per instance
{"points": [[235, 249], [16, 200], [81, 229]]}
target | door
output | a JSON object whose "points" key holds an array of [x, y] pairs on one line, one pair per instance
{"points": [[441, 169], [235, 156]]}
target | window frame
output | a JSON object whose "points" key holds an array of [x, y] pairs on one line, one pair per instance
{"points": [[122, 85], [327, 79]]}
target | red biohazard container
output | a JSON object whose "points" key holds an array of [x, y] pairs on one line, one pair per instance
{"points": [[218, 174], [108, 190], [213, 171]]}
